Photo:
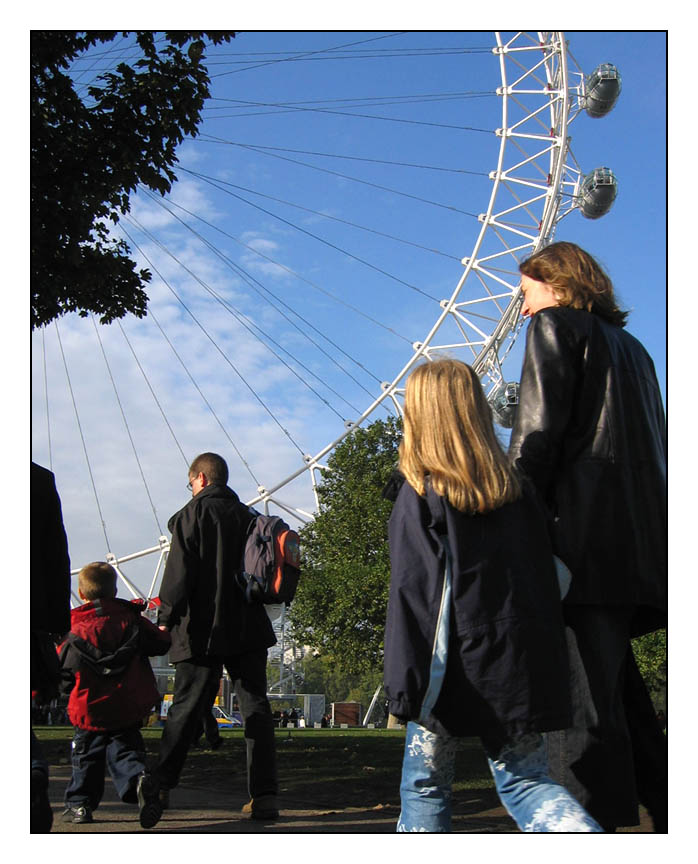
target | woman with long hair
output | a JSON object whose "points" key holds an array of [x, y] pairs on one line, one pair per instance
{"points": [[474, 642]]}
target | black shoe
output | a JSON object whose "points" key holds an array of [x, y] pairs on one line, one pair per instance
{"points": [[41, 815], [214, 745], [149, 806], [81, 814]]}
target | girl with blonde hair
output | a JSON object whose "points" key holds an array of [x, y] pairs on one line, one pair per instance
{"points": [[474, 642]]}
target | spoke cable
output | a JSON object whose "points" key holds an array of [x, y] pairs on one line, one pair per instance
{"points": [[233, 366], [152, 391], [128, 430], [331, 245], [214, 180], [256, 285], [82, 437], [247, 323], [349, 177]]}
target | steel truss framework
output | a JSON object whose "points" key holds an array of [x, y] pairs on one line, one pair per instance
{"points": [[535, 183]]}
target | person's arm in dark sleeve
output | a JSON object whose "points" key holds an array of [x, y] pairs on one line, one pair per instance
{"points": [[153, 641], [179, 569], [549, 377]]}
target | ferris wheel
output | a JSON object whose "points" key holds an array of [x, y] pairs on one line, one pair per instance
{"points": [[535, 182]]}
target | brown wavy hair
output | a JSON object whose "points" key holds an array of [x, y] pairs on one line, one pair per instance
{"points": [[578, 280], [449, 438]]}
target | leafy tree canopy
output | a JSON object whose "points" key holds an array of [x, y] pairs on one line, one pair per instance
{"points": [[651, 657], [342, 598], [88, 155]]}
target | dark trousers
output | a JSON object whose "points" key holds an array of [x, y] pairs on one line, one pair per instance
{"points": [[615, 754], [122, 752], [208, 725], [192, 681]]}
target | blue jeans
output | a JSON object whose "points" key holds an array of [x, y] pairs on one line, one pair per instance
{"points": [[122, 752], [519, 769]]}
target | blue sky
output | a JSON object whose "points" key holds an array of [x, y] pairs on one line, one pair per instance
{"points": [[263, 234]]}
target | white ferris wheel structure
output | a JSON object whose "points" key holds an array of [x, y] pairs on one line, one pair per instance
{"points": [[535, 183]]}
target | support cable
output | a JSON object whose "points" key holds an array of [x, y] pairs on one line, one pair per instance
{"points": [[152, 315], [247, 322], [48, 421], [82, 437], [205, 138], [288, 107], [310, 53], [292, 273], [145, 377], [213, 180], [331, 245], [252, 282], [232, 366], [128, 430], [354, 179]]}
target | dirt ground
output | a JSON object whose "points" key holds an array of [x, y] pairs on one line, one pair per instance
{"points": [[330, 782]]}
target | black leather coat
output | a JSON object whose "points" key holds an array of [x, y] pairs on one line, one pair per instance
{"points": [[201, 602], [590, 432]]}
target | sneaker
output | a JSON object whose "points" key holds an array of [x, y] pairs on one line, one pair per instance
{"points": [[41, 815], [149, 806], [264, 807], [81, 814]]}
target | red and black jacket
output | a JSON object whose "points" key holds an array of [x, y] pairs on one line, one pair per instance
{"points": [[105, 659]]}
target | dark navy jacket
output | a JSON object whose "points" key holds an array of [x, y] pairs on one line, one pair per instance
{"points": [[507, 667]]}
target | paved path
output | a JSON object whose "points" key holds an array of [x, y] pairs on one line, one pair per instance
{"points": [[194, 811]]}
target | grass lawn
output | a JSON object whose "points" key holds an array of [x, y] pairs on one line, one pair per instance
{"points": [[332, 768]]}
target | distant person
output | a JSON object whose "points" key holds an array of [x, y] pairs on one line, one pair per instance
{"points": [[212, 624], [474, 639], [112, 688], [590, 433], [49, 620]]}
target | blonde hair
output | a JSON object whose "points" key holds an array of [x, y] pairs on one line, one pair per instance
{"points": [[97, 581], [449, 437], [577, 279]]}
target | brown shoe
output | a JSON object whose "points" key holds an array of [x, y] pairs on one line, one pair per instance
{"points": [[264, 807]]}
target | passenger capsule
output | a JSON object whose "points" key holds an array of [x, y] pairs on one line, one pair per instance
{"points": [[504, 401], [601, 90], [597, 193]]}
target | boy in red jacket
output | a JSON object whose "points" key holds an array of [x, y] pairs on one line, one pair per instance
{"points": [[105, 662]]}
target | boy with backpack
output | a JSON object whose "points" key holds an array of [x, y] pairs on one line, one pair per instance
{"points": [[112, 688]]}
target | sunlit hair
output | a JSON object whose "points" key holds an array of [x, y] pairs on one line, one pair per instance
{"points": [[449, 437], [97, 581], [212, 465], [577, 279]]}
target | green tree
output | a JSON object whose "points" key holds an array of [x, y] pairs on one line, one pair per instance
{"points": [[89, 155], [322, 673], [651, 659], [342, 598]]}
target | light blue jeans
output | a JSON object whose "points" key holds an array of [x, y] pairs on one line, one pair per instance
{"points": [[534, 801]]}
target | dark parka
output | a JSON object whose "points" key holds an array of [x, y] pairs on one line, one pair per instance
{"points": [[590, 433], [507, 659], [105, 664], [201, 603]]}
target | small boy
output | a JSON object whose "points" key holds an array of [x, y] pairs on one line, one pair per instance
{"points": [[112, 688]]}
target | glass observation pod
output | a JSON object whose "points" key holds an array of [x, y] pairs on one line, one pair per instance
{"points": [[601, 90], [504, 403], [597, 193]]}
